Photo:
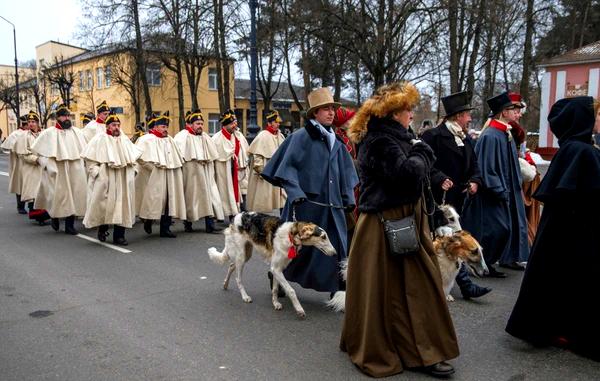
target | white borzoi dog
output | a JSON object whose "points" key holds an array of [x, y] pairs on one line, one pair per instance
{"points": [[453, 247], [277, 241]]}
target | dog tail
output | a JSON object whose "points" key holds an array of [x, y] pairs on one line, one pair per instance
{"points": [[338, 302], [220, 258]]}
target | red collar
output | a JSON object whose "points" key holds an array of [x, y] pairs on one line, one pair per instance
{"points": [[190, 130], [99, 121], [58, 125], [272, 129], [292, 252], [498, 125], [157, 134], [226, 133]]}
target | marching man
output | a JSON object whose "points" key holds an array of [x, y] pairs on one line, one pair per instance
{"points": [[159, 183], [17, 144], [63, 187], [110, 159], [199, 153], [97, 126], [262, 196], [232, 163]]}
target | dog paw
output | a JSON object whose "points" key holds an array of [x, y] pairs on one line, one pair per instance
{"points": [[277, 306], [449, 298], [301, 314], [247, 299]]}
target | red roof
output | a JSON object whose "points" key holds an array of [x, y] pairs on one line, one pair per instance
{"points": [[586, 54]]}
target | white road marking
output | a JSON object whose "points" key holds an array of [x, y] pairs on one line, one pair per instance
{"points": [[202, 277], [3, 173], [114, 247]]}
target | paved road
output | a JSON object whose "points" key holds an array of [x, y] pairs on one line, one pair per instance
{"points": [[158, 313]]}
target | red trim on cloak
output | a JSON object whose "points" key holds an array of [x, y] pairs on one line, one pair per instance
{"points": [[57, 125], [157, 133], [498, 125], [190, 130], [272, 129], [234, 167]]}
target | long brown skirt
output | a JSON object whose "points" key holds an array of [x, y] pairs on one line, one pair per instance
{"points": [[532, 207], [396, 313]]}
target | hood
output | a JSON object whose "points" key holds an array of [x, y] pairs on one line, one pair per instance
{"points": [[572, 119]]}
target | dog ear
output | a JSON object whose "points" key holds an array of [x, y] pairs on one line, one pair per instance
{"points": [[306, 231], [453, 245]]}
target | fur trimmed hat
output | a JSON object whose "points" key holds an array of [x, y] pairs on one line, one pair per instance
{"points": [[192, 116], [102, 107], [112, 118], [227, 117], [386, 100], [62, 110], [157, 120], [33, 116], [273, 116]]}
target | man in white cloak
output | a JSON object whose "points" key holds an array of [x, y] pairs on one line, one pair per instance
{"points": [[16, 145], [62, 190], [231, 166], [159, 184], [262, 196], [97, 126], [201, 193], [110, 159]]}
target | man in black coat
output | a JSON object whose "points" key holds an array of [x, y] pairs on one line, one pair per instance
{"points": [[456, 160]]}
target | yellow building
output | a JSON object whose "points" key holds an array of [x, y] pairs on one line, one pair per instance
{"points": [[8, 119]]}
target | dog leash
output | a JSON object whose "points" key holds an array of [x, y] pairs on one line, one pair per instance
{"points": [[315, 203]]}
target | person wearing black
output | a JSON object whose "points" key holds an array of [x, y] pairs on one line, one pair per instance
{"points": [[456, 160], [560, 287]]}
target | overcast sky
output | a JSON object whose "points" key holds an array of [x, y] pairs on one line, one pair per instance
{"points": [[36, 22]]}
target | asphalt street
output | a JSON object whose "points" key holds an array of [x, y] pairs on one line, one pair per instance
{"points": [[71, 309]]}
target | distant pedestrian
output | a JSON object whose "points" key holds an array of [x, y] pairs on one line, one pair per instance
{"points": [[97, 126], [17, 145]]}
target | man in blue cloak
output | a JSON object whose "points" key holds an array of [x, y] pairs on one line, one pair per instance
{"points": [[496, 214], [318, 175]]}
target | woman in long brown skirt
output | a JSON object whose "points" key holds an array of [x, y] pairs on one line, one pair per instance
{"points": [[396, 313]]}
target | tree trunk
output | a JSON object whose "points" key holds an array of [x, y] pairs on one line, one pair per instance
{"points": [[476, 44], [179, 74], [225, 59], [216, 4], [527, 50], [140, 59], [454, 53]]}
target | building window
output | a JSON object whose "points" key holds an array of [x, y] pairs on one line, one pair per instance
{"points": [[212, 79], [99, 77], [153, 74], [107, 76], [54, 89], [213, 123], [81, 81], [90, 79]]}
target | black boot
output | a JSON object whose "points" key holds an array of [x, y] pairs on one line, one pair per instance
{"points": [[119, 236], [20, 205], [30, 206], [70, 226], [148, 226], [102, 233], [187, 227], [165, 227], [55, 224], [280, 292], [469, 289], [210, 226]]}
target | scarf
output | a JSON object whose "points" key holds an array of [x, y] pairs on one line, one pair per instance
{"points": [[190, 130], [157, 134], [342, 134], [457, 131], [327, 132], [234, 167], [272, 129]]}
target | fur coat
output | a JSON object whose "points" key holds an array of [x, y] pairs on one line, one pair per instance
{"points": [[62, 190], [111, 181], [201, 193], [262, 196]]}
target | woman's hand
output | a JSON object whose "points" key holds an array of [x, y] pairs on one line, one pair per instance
{"points": [[447, 184]]}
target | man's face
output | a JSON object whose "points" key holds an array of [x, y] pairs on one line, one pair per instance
{"points": [[33, 125], [103, 115], [198, 126], [62, 118], [231, 126], [597, 125], [162, 128], [510, 115], [114, 128], [275, 125], [463, 119], [518, 116], [324, 115]]}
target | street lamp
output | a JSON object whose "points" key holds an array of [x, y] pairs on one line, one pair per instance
{"points": [[16, 68], [252, 124]]}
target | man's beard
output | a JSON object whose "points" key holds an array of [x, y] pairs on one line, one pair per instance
{"points": [[66, 124], [116, 133]]}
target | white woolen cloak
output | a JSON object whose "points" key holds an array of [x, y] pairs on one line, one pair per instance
{"points": [[201, 193], [16, 144], [92, 129], [111, 181], [262, 196], [32, 171], [161, 181], [62, 190], [223, 168]]}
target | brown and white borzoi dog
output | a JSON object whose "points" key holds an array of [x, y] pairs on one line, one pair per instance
{"points": [[277, 241]]}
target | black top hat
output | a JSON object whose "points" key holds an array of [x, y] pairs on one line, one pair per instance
{"points": [[457, 102], [499, 103]]}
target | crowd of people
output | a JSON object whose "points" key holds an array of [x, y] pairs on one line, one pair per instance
{"points": [[350, 171]]}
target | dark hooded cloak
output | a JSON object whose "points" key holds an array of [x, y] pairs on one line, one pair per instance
{"points": [[559, 293]]}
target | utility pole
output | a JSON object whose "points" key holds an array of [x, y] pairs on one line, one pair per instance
{"points": [[253, 128], [16, 69]]}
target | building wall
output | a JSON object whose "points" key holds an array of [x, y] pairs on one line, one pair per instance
{"points": [[46, 53], [564, 81], [8, 120]]}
